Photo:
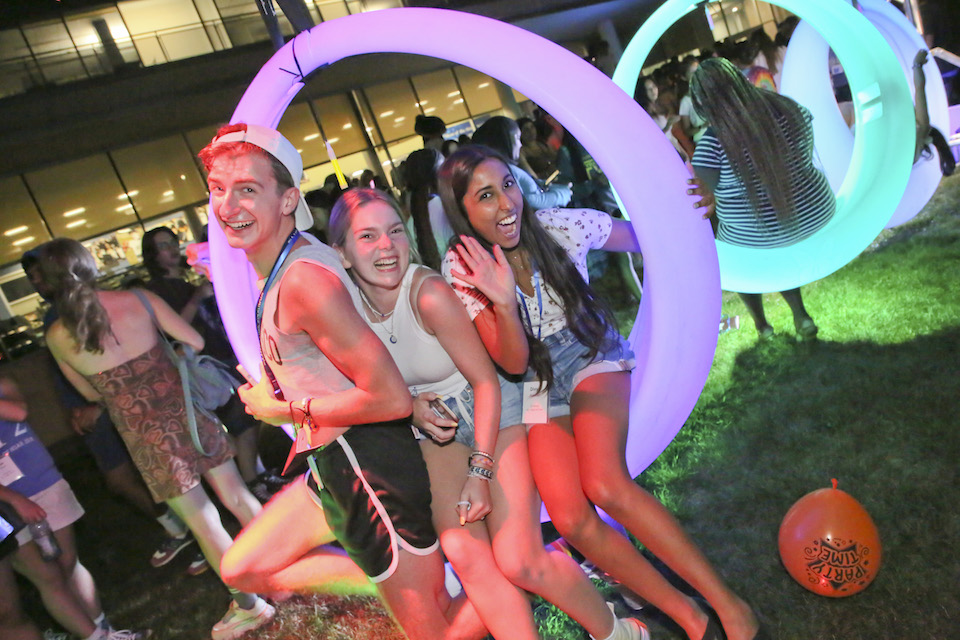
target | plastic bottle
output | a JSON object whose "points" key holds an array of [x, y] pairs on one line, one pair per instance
{"points": [[43, 536]]}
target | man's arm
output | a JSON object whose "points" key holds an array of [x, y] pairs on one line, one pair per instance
{"points": [[314, 300], [12, 406]]}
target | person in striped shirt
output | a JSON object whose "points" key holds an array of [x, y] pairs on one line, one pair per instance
{"points": [[757, 157]]}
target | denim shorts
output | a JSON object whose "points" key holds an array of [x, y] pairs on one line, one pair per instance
{"points": [[572, 365], [462, 405]]}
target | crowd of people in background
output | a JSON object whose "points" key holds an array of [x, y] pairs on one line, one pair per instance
{"points": [[465, 286]]}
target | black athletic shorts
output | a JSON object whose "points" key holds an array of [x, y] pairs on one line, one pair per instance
{"points": [[375, 494]]}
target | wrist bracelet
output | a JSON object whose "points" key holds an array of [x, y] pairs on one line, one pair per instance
{"points": [[479, 472], [307, 418], [482, 454], [480, 462]]}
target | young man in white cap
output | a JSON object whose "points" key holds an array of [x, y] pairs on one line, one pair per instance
{"points": [[325, 371]]}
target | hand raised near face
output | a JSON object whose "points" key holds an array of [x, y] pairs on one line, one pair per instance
{"points": [[489, 273]]}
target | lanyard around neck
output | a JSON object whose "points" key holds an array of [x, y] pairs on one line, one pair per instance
{"points": [[526, 311], [261, 302]]}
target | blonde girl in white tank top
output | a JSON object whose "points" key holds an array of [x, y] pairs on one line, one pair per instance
{"points": [[487, 519]]}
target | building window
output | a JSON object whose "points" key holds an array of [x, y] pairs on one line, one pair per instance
{"points": [[395, 108], [159, 176], [22, 227], [81, 198]]}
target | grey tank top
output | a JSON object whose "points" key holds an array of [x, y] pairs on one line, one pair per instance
{"points": [[300, 367]]}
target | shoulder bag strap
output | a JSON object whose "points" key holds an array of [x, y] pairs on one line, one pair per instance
{"points": [[181, 364]]}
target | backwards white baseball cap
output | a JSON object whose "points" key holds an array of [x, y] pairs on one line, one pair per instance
{"points": [[271, 141]]}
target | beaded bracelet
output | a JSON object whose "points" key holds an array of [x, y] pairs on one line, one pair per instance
{"points": [[474, 471]]}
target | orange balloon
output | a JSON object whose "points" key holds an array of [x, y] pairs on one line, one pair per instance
{"points": [[829, 544]]}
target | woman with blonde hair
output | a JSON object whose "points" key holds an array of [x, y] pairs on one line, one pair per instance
{"points": [[108, 346], [485, 505]]}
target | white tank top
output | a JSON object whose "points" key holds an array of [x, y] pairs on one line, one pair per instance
{"points": [[300, 367], [422, 360]]}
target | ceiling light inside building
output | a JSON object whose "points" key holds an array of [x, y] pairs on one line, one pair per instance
{"points": [[22, 241], [15, 230], [312, 136], [74, 212], [76, 223]]}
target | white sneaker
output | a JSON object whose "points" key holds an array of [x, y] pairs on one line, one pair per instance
{"points": [[451, 581], [238, 621], [128, 634], [632, 629], [50, 634]]}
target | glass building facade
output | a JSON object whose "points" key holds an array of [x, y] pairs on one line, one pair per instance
{"points": [[109, 199]]}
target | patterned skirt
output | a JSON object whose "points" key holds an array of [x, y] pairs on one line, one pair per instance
{"points": [[145, 401]]}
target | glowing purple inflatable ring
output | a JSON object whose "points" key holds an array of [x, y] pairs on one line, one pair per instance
{"points": [[676, 329]]}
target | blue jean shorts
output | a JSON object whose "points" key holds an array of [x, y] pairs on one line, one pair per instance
{"points": [[572, 365], [462, 405]]}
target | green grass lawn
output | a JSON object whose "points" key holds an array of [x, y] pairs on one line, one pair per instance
{"points": [[873, 403]]}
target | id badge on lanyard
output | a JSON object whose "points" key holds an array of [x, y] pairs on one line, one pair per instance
{"points": [[536, 402]]}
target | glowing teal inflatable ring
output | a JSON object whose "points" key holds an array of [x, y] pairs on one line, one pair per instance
{"points": [[882, 151], [806, 79]]}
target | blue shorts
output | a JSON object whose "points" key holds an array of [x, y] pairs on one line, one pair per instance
{"points": [[462, 405], [572, 365]]}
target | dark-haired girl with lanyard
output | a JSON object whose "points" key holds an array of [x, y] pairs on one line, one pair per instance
{"points": [[522, 276]]}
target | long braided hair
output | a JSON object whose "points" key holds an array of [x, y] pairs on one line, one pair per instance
{"points": [[70, 272], [587, 316], [758, 130], [420, 171]]}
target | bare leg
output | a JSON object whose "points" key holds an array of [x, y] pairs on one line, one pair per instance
{"points": [[416, 597], [13, 624], [201, 516], [503, 607], [58, 598], [125, 482], [226, 482], [77, 577], [247, 455], [800, 314], [600, 420], [754, 304], [283, 550], [518, 546]]}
